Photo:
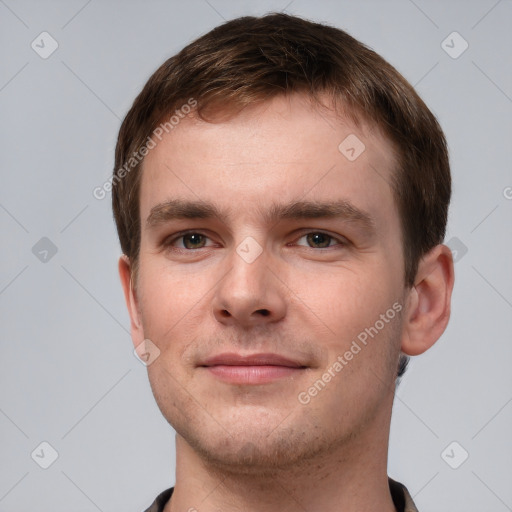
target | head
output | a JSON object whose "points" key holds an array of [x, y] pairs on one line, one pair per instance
{"points": [[293, 143]]}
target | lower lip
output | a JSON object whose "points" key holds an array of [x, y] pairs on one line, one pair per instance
{"points": [[252, 374]]}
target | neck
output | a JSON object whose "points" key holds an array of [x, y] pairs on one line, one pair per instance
{"points": [[347, 478]]}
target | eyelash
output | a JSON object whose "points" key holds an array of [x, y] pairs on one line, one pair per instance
{"points": [[168, 243]]}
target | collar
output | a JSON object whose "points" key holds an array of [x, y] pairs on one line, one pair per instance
{"points": [[401, 498]]}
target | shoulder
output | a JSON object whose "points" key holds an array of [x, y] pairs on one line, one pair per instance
{"points": [[401, 497], [160, 501]]}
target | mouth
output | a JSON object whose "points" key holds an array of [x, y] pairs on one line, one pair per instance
{"points": [[251, 369]]}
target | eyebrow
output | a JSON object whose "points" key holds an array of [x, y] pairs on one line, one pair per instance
{"points": [[183, 209]]}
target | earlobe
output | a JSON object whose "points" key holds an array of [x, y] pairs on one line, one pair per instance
{"points": [[125, 274], [428, 301]]}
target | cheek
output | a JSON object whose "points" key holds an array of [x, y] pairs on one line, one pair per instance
{"points": [[362, 348], [344, 301], [170, 300]]}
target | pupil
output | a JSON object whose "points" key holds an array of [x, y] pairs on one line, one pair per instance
{"points": [[319, 239], [193, 240]]}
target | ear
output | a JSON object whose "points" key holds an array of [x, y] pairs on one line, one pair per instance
{"points": [[428, 301], [131, 300]]}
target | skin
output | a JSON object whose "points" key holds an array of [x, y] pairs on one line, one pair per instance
{"points": [[257, 447]]}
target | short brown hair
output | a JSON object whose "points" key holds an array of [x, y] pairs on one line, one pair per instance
{"points": [[251, 59]]}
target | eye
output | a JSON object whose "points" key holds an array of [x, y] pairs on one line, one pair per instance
{"points": [[319, 240], [191, 240]]}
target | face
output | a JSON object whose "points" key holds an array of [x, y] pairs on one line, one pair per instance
{"points": [[271, 280]]}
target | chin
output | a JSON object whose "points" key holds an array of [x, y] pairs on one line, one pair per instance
{"points": [[251, 455], [251, 450]]}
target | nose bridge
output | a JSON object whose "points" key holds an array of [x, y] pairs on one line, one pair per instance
{"points": [[250, 293]]}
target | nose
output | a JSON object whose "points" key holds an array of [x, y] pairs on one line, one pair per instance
{"points": [[250, 294]]}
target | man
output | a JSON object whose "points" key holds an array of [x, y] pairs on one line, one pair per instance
{"points": [[281, 196]]}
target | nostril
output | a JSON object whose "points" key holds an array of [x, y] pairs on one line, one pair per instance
{"points": [[263, 312]]}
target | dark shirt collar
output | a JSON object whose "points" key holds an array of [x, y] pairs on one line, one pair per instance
{"points": [[401, 498]]}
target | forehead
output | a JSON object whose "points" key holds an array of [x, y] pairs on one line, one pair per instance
{"points": [[283, 150]]}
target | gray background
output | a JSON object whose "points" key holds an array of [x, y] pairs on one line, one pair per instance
{"points": [[67, 372]]}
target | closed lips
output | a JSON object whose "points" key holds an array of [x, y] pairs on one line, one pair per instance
{"points": [[231, 359]]}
